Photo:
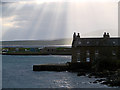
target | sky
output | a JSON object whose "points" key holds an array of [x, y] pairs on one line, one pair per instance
{"points": [[57, 19]]}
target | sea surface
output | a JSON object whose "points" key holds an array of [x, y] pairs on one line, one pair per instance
{"points": [[34, 46], [17, 73]]}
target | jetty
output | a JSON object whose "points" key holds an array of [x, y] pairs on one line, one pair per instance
{"points": [[51, 67], [63, 67]]}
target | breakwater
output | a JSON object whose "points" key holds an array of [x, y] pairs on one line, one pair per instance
{"points": [[51, 67], [63, 67]]}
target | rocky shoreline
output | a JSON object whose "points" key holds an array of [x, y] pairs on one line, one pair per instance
{"points": [[110, 78]]}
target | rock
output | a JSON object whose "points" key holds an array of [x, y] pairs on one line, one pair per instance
{"points": [[95, 82], [96, 76], [81, 74], [106, 82], [89, 76], [100, 80], [90, 82]]}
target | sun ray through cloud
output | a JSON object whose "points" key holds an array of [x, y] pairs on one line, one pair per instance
{"points": [[43, 19]]}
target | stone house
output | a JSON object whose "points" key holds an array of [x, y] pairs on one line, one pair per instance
{"points": [[89, 49]]}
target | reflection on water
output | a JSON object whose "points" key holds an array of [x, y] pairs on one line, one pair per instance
{"points": [[17, 73]]}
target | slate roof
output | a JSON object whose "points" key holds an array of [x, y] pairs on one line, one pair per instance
{"points": [[97, 42]]}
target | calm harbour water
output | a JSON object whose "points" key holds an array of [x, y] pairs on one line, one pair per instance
{"points": [[17, 73]]}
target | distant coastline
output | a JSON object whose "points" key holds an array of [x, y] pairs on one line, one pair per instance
{"points": [[36, 43], [40, 50], [34, 46]]}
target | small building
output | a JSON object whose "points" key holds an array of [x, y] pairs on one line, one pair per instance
{"points": [[17, 49], [32, 49], [89, 49]]}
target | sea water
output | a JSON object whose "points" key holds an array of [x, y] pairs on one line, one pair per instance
{"points": [[17, 72]]}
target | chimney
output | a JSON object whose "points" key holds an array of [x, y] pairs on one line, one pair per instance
{"points": [[78, 35], [108, 35], [104, 35], [74, 36]]}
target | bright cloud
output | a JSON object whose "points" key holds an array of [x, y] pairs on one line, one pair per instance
{"points": [[8, 21], [41, 19]]}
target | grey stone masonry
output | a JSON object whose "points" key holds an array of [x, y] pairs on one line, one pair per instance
{"points": [[89, 49]]}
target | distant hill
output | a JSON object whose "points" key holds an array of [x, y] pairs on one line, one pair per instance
{"points": [[38, 42]]}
